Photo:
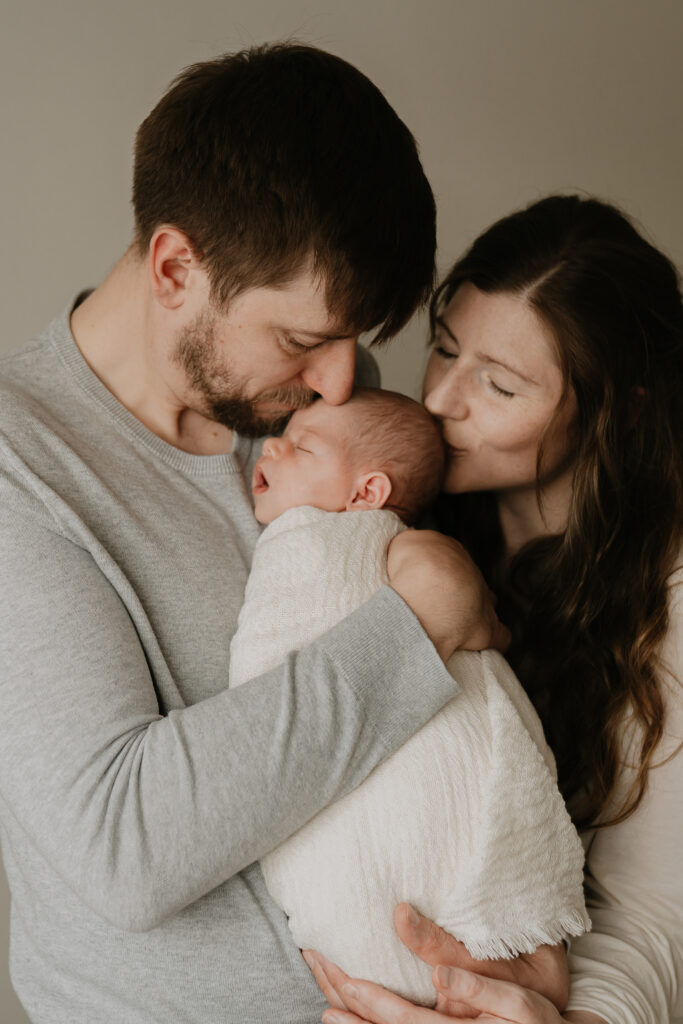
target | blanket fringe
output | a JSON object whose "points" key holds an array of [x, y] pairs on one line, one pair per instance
{"points": [[506, 947]]}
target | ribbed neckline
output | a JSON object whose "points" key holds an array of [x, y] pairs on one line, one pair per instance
{"points": [[194, 465]]}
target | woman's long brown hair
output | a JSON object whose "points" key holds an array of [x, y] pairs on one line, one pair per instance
{"points": [[588, 607]]}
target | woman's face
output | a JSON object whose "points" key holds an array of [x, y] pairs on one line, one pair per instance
{"points": [[494, 381]]}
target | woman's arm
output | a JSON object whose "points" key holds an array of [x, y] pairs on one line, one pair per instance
{"points": [[630, 968]]}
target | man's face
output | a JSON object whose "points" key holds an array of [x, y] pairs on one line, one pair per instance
{"points": [[311, 464], [274, 351]]}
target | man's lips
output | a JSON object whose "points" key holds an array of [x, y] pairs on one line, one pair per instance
{"points": [[259, 484]]}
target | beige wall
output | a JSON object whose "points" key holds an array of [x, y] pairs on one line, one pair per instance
{"points": [[509, 99]]}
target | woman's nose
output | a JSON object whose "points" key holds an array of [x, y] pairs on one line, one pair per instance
{"points": [[446, 400]]}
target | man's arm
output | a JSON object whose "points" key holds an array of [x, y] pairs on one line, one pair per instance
{"points": [[142, 814]]}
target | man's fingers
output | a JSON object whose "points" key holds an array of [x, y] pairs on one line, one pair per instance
{"points": [[501, 999], [375, 1004], [548, 974], [329, 977], [341, 1017], [461, 1011], [455, 1008], [431, 943]]}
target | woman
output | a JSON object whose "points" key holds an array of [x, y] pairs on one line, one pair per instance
{"points": [[556, 372]]}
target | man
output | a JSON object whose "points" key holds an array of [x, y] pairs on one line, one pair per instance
{"points": [[280, 210]]}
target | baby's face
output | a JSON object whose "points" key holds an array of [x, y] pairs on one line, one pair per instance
{"points": [[308, 465]]}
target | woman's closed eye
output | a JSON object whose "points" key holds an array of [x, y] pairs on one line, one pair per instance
{"points": [[444, 343], [498, 389]]}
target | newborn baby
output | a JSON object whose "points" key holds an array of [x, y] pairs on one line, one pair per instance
{"points": [[465, 821]]}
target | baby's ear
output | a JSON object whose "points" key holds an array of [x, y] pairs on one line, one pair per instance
{"points": [[372, 490]]}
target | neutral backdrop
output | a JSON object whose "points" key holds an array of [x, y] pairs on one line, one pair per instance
{"points": [[508, 99]]}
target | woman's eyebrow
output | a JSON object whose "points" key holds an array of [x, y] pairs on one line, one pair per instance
{"points": [[487, 358], [506, 366], [444, 326]]}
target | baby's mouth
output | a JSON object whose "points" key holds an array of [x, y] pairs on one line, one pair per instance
{"points": [[259, 484]]}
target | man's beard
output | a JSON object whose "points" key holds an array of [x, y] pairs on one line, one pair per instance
{"points": [[222, 399]]}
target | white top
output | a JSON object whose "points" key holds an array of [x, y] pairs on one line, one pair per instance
{"points": [[465, 821], [630, 968]]}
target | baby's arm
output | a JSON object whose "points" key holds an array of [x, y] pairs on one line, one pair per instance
{"points": [[415, 558]]}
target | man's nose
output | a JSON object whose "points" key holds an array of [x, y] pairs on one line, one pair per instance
{"points": [[330, 371]]}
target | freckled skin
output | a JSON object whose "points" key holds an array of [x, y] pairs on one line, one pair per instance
{"points": [[493, 437]]}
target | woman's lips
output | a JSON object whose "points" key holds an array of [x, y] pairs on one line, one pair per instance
{"points": [[259, 484], [454, 452]]}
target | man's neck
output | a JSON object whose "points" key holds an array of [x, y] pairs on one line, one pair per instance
{"points": [[118, 334]]}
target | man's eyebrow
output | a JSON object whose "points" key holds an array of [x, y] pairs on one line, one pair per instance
{"points": [[323, 335]]}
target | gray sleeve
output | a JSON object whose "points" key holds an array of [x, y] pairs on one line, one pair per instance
{"points": [[142, 814]]}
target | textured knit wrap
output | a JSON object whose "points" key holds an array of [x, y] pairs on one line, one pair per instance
{"points": [[465, 821]]}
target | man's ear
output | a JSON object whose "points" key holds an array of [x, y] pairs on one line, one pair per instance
{"points": [[171, 261], [372, 490]]}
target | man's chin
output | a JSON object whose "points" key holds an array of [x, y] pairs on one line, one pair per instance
{"points": [[243, 419]]}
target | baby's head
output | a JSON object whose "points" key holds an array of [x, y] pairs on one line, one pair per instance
{"points": [[378, 450]]}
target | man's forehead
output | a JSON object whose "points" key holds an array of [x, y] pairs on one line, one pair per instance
{"points": [[301, 304]]}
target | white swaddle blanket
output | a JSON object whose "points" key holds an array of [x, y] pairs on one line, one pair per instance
{"points": [[465, 821]]}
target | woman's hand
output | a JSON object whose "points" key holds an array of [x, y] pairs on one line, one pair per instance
{"points": [[441, 584], [491, 1001], [531, 989]]}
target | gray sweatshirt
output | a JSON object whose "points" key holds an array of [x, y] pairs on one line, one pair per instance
{"points": [[136, 789]]}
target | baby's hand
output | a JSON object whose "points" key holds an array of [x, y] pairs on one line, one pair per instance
{"points": [[446, 591]]}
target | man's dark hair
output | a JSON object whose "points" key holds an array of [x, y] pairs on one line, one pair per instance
{"points": [[283, 158]]}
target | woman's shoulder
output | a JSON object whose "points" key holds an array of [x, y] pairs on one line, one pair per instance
{"points": [[675, 579], [670, 679], [671, 655], [672, 646]]}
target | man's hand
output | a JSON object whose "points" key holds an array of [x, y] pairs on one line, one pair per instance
{"points": [[443, 587]]}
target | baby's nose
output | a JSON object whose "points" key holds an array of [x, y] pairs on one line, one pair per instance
{"points": [[273, 447]]}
